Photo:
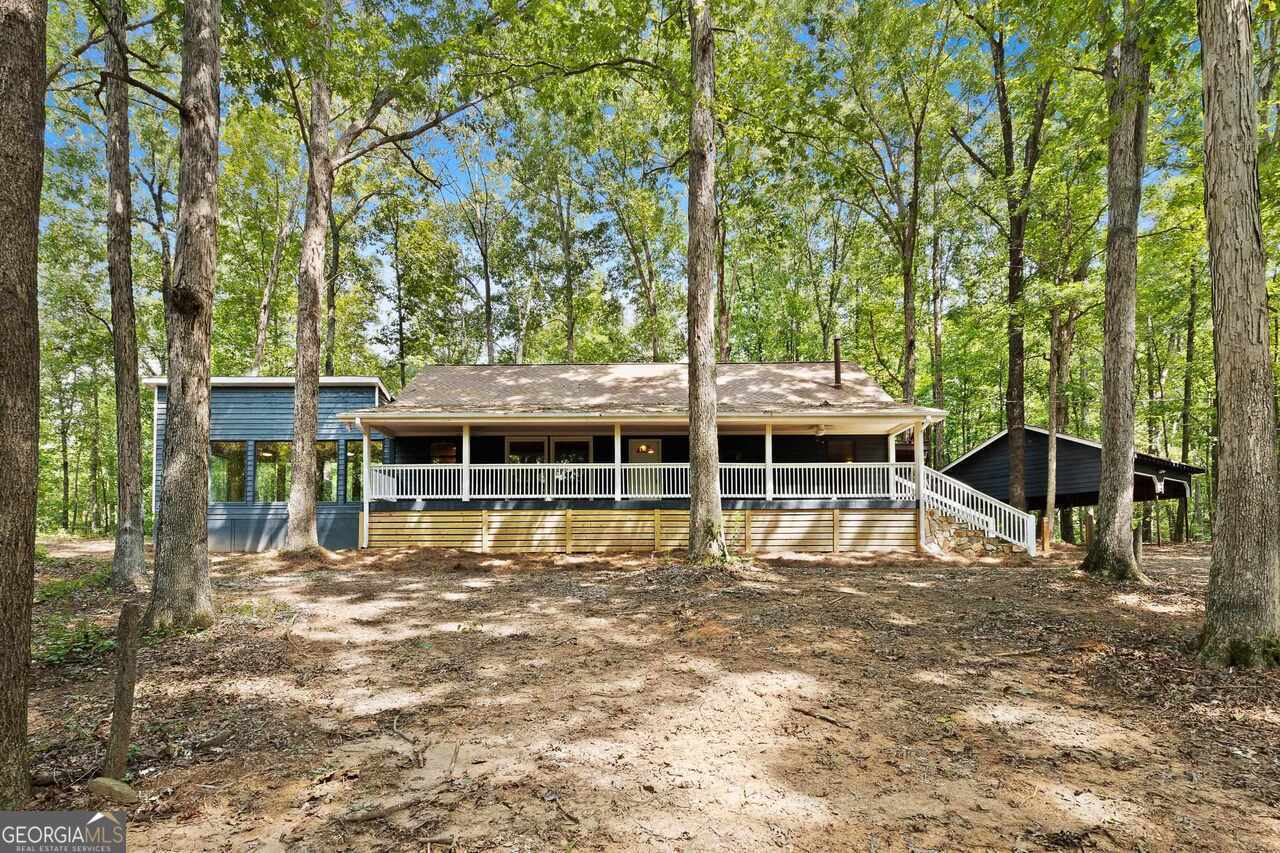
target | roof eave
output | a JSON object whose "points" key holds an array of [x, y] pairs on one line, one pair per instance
{"points": [[385, 413], [276, 382]]}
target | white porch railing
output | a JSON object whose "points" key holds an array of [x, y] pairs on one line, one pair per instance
{"points": [[833, 480], [556, 480], [837, 480], [816, 480], [415, 482]]}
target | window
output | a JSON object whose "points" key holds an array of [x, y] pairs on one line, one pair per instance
{"points": [[525, 451], [571, 449], [840, 450], [326, 470], [272, 462], [444, 453], [355, 467], [226, 471]]}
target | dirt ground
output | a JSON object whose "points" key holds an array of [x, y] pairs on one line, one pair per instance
{"points": [[417, 699]]}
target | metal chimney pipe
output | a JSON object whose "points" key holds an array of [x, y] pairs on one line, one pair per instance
{"points": [[837, 355]]}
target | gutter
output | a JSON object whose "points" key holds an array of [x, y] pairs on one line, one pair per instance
{"points": [[385, 414]]}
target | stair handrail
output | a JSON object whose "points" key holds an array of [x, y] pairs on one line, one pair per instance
{"points": [[1001, 519]]}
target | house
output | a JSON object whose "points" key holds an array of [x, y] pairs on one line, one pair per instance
{"points": [[586, 457], [1079, 471], [250, 435]]}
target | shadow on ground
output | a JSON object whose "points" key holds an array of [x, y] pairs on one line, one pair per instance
{"points": [[807, 702]]}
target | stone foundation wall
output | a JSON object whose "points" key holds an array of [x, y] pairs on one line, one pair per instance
{"points": [[953, 537]]}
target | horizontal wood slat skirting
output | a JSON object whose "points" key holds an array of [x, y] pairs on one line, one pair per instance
{"points": [[590, 530]]}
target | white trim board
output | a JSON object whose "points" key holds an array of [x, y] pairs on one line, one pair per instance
{"points": [[275, 382]]}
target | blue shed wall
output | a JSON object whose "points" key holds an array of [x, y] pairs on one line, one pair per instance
{"points": [[251, 415]]}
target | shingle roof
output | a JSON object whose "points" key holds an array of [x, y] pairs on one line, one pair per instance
{"points": [[640, 389]]}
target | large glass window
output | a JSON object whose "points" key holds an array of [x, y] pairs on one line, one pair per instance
{"points": [[355, 467], [526, 451], [226, 471], [840, 450], [571, 449], [444, 453], [326, 470], [273, 463]]}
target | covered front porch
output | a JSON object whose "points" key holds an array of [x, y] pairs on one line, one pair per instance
{"points": [[637, 461]]}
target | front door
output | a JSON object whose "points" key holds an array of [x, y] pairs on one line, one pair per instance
{"points": [[644, 482]]}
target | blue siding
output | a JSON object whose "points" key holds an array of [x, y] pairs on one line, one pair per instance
{"points": [[262, 527], [1079, 472], [250, 414], [243, 414]]}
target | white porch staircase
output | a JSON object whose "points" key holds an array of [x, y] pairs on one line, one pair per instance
{"points": [[979, 511]]}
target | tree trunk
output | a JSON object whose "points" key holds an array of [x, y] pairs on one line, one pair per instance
{"points": [[564, 215], [284, 231], [1017, 197], [1242, 611], [911, 234], [117, 760], [648, 285], [396, 268], [706, 526], [490, 355], [311, 283], [1184, 520], [1148, 513], [22, 90], [64, 435], [128, 565], [1111, 551], [939, 400], [1015, 391], [331, 283], [908, 330], [1051, 485], [1067, 525], [95, 458], [75, 488], [182, 595], [724, 312], [1062, 331]]}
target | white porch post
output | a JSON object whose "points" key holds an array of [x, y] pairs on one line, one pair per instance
{"points": [[918, 432], [364, 483], [617, 462], [768, 462], [893, 472], [466, 462]]}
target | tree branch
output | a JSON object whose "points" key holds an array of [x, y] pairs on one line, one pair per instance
{"points": [[149, 89], [974, 155]]}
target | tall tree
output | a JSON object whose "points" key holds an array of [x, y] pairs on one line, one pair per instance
{"points": [[1242, 613], [1127, 74], [311, 282], [1016, 180], [706, 525], [182, 594], [22, 90], [1182, 533], [128, 566], [325, 156], [887, 118], [482, 211]]}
